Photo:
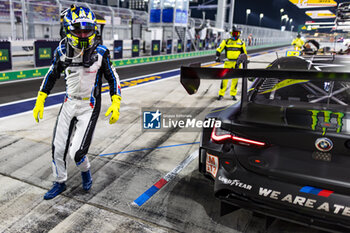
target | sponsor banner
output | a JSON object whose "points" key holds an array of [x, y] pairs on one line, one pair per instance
{"points": [[303, 4], [40, 72], [178, 16], [15, 75], [181, 16], [155, 47], [165, 119], [154, 16], [44, 52], [325, 14], [169, 46], [118, 49], [179, 46], [135, 48], [5, 56], [168, 15]]}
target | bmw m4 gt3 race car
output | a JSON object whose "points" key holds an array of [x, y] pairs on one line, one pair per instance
{"points": [[284, 149]]}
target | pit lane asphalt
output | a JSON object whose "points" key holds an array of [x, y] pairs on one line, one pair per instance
{"points": [[14, 91], [186, 204]]}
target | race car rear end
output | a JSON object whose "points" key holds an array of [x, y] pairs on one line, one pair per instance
{"points": [[250, 171], [285, 152]]}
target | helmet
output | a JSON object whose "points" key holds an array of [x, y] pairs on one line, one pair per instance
{"points": [[298, 36], [62, 30], [235, 33], [80, 27]]}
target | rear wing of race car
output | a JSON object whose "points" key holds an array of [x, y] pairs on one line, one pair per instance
{"points": [[190, 76]]}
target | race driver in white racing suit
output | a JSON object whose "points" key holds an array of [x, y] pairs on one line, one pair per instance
{"points": [[83, 62]]}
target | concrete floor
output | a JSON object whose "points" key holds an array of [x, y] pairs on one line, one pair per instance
{"points": [[186, 204]]}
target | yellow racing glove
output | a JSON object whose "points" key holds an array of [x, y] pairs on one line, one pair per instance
{"points": [[114, 108], [38, 110]]}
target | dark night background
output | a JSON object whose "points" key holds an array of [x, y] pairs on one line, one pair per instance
{"points": [[270, 9]]}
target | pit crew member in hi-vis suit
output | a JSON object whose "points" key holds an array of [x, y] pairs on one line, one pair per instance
{"points": [[84, 62], [298, 43], [233, 47]]}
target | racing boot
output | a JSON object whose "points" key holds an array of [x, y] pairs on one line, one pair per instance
{"points": [[234, 98], [56, 189], [220, 97], [87, 180]]}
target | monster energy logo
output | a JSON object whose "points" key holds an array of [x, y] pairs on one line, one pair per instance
{"points": [[83, 44], [327, 120]]}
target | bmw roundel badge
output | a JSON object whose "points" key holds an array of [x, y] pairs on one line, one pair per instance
{"points": [[324, 144]]}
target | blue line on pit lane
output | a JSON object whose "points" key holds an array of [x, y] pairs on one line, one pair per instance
{"points": [[144, 149]]}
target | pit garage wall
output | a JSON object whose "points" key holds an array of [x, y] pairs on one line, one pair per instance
{"points": [[41, 21], [40, 72]]}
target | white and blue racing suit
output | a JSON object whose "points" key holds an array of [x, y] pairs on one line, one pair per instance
{"points": [[78, 115]]}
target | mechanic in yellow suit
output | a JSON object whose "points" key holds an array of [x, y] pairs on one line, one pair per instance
{"points": [[298, 43], [233, 47]]}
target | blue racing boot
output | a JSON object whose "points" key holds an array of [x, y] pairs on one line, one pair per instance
{"points": [[56, 189], [87, 180]]}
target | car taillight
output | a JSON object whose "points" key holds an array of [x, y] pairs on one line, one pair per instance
{"points": [[222, 136]]}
